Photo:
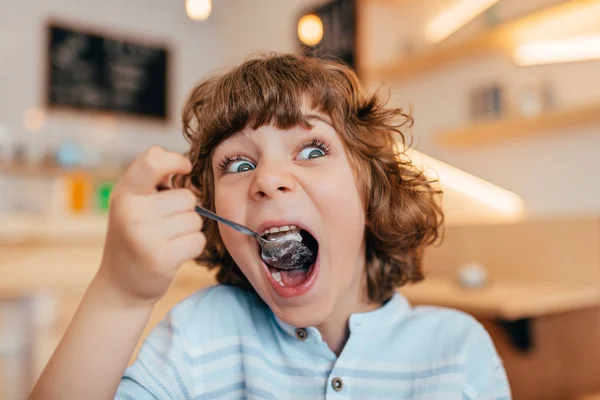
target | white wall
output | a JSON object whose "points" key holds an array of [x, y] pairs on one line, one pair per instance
{"points": [[195, 50], [257, 25], [555, 174]]}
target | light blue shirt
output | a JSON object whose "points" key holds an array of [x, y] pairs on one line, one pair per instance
{"points": [[225, 343]]}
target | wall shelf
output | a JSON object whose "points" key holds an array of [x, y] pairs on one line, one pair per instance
{"points": [[503, 37], [480, 133], [52, 171], [20, 229]]}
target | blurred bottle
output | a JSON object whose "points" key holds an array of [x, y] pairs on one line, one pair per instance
{"points": [[76, 182], [78, 186], [103, 191]]}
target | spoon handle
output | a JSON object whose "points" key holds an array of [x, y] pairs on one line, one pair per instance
{"points": [[209, 214]]}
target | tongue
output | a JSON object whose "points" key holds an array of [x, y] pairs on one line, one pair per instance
{"points": [[294, 277]]}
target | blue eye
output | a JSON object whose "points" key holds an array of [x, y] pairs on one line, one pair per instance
{"points": [[240, 166], [310, 152]]}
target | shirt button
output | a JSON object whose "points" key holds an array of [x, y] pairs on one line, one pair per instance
{"points": [[337, 384], [301, 334]]}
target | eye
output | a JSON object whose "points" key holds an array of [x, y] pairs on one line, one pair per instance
{"points": [[311, 152], [240, 166]]}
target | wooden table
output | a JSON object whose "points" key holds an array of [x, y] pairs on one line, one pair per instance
{"points": [[512, 304], [504, 299]]}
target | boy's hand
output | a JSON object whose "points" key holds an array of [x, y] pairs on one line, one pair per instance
{"points": [[150, 233]]}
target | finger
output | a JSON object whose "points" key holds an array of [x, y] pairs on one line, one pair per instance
{"points": [[174, 201], [148, 170], [181, 225], [188, 247]]}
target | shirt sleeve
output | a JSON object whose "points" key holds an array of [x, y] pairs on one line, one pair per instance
{"points": [[161, 370], [486, 377]]}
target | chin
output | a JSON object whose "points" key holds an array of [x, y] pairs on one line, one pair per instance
{"points": [[313, 312]]}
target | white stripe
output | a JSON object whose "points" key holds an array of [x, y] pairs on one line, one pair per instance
{"points": [[259, 369], [403, 385], [290, 382], [241, 393], [253, 343], [236, 394], [162, 371], [429, 396], [223, 343], [439, 396], [374, 366], [259, 382], [140, 374], [285, 390], [386, 366], [252, 365]]}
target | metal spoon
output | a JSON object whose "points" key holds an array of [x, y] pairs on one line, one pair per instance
{"points": [[279, 253]]}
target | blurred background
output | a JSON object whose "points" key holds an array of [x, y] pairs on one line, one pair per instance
{"points": [[506, 99]]}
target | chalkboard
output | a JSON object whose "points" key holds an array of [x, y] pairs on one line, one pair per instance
{"points": [[91, 72], [339, 31]]}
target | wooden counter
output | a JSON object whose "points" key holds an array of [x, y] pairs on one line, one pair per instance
{"points": [[19, 229], [505, 299]]}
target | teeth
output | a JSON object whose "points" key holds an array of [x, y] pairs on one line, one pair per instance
{"points": [[293, 234], [284, 228], [277, 276]]}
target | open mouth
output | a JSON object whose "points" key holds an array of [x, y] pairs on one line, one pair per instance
{"points": [[292, 276]]}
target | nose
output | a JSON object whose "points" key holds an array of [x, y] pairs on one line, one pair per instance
{"points": [[272, 179]]}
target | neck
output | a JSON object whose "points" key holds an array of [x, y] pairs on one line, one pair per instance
{"points": [[335, 330]]}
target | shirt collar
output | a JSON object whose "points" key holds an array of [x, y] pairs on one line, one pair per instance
{"points": [[387, 314]]}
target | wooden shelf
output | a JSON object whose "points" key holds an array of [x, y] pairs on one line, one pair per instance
{"points": [[22, 169], [26, 229], [505, 300], [503, 37], [485, 132], [47, 171]]}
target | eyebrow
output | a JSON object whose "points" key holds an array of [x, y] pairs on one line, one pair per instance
{"points": [[318, 117]]}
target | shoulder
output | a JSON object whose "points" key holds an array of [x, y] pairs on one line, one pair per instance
{"points": [[451, 329], [216, 298], [451, 334], [452, 322], [217, 309]]}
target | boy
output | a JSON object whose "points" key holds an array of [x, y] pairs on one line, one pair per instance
{"points": [[282, 144]]}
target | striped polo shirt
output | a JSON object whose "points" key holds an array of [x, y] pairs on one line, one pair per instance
{"points": [[225, 343]]}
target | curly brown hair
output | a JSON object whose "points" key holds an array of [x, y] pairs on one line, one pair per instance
{"points": [[402, 206]]}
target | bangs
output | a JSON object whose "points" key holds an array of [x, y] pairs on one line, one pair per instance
{"points": [[276, 91]]}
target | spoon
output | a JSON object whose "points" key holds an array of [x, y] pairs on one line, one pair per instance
{"points": [[279, 253]]}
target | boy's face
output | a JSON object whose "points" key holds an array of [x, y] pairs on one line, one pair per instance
{"points": [[272, 178]]}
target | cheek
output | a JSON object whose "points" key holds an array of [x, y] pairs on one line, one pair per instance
{"points": [[342, 205], [231, 205], [229, 202]]}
